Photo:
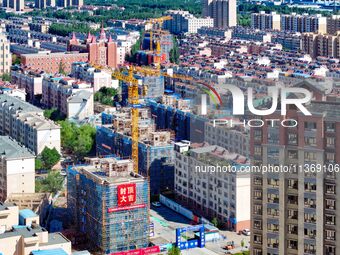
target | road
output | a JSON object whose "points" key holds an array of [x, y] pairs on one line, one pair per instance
{"points": [[166, 221]]}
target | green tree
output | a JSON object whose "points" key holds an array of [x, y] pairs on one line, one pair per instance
{"points": [[214, 221], [105, 95], [54, 114], [15, 60], [52, 183], [85, 141], [174, 251], [68, 134], [77, 140], [174, 52], [38, 164], [6, 77], [49, 157], [61, 68]]}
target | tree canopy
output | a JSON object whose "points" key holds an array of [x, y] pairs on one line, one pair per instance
{"points": [[105, 95], [79, 140], [52, 183], [49, 157]]}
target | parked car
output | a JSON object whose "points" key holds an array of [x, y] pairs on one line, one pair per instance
{"points": [[246, 232], [42, 171], [156, 204]]}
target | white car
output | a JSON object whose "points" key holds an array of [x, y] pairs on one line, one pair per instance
{"points": [[156, 204], [246, 232]]}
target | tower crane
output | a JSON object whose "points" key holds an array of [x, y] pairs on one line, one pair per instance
{"points": [[156, 21], [133, 99]]}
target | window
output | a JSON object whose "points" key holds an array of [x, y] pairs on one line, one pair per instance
{"points": [[292, 229], [310, 125], [330, 127], [330, 235], [292, 183], [330, 204], [311, 141], [292, 154], [330, 141], [292, 214], [292, 139], [310, 217], [330, 219], [292, 244], [330, 188]]}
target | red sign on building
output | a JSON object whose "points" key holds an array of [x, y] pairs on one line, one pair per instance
{"points": [[126, 194], [142, 251]]}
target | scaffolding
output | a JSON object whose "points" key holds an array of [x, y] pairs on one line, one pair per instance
{"points": [[155, 162], [90, 199]]}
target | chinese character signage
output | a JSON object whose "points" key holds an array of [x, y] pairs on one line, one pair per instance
{"points": [[126, 194]]}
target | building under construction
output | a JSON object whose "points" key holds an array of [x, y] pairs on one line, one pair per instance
{"points": [[109, 204], [155, 150]]}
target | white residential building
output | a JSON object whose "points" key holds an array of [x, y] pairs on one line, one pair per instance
{"points": [[184, 22], [212, 194], [88, 73], [27, 124], [235, 139], [80, 105], [5, 54], [17, 168]]}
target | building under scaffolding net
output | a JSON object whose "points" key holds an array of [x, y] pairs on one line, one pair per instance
{"points": [[110, 204], [155, 150]]}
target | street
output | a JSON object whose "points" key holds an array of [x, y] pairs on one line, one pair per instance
{"points": [[166, 221]]}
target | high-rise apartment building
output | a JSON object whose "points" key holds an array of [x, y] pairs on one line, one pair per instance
{"points": [[263, 21], [304, 23], [5, 55], [110, 204], [324, 45], [16, 5], [296, 212], [184, 22], [213, 194], [42, 4], [333, 24], [223, 12]]}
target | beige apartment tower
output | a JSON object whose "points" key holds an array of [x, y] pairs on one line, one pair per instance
{"points": [[297, 212], [5, 55], [223, 12], [264, 21]]}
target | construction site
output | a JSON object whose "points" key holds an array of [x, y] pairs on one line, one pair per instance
{"points": [[155, 149], [109, 204]]}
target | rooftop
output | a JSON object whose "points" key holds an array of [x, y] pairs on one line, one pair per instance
{"points": [[12, 149], [18, 104]]}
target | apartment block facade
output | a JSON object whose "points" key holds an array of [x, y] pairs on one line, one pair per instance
{"points": [[235, 140], [53, 62], [20, 234], [222, 11], [16, 5], [304, 23], [264, 21], [57, 90], [86, 72], [324, 45], [218, 194], [17, 169], [333, 24], [184, 22], [5, 55], [27, 125], [296, 212], [30, 80]]}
